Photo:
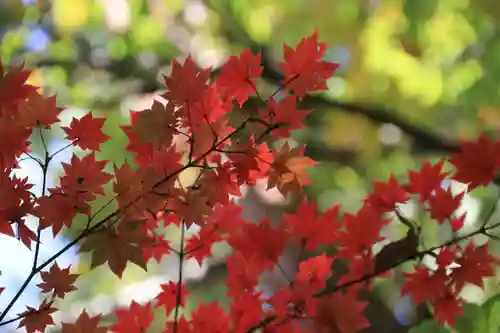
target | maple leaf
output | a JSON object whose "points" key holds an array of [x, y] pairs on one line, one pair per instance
{"points": [[251, 163], [13, 139], [209, 319], [242, 274], [443, 204], [283, 115], [262, 241], [208, 136], [39, 110], [208, 110], [151, 193], [190, 207], [361, 232], [310, 229], [426, 180], [157, 250], [289, 169], [15, 204], [342, 313], [314, 272], [246, 311], [141, 151], [61, 281], [447, 308], [86, 132], [55, 211], [294, 301], [478, 162], [199, 246], [116, 247], [303, 69], [25, 234], [13, 87], [220, 184], [422, 284], [84, 177], [237, 77], [167, 298], [475, 264], [84, 324], [34, 320], [165, 160], [156, 125], [135, 319], [186, 84], [387, 195]]}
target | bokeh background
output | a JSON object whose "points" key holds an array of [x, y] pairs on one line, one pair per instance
{"points": [[416, 77]]}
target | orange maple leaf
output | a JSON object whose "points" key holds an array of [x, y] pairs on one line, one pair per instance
{"points": [[289, 169]]}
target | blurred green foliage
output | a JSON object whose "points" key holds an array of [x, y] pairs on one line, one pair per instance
{"points": [[423, 72]]}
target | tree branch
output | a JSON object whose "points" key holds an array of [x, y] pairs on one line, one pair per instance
{"points": [[366, 277]]}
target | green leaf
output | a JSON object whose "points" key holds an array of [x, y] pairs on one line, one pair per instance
{"points": [[429, 326], [494, 318], [474, 320]]}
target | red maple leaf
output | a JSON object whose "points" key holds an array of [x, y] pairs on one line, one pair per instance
{"points": [[303, 69], [386, 196], [186, 83], [312, 230], [142, 151], [251, 162], [262, 241], [341, 312], [156, 125], [135, 319], [199, 246], [117, 247], [13, 87], [423, 284], [84, 177], [25, 234], [209, 319], [208, 136], [284, 115], [443, 204], [34, 320], [15, 204], [478, 162], [447, 308], [39, 110], [242, 274], [86, 132], [84, 324], [210, 109], [426, 180], [246, 311], [314, 272], [157, 250], [475, 265], [237, 77], [60, 281], [13, 140], [55, 211], [168, 297], [361, 231]]}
